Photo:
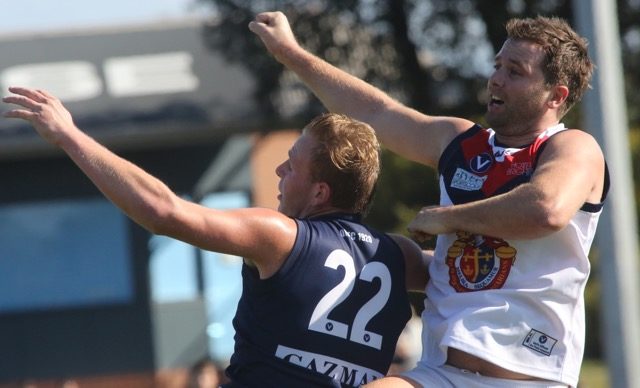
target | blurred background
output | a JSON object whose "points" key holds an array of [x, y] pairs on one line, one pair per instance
{"points": [[182, 88]]}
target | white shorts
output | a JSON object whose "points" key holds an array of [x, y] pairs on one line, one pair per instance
{"points": [[447, 376]]}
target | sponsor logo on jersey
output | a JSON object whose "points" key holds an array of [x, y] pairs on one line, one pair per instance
{"points": [[539, 342], [479, 262], [520, 168], [340, 370], [481, 163], [464, 180]]}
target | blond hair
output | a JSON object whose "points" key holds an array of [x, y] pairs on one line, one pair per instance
{"points": [[347, 158]]}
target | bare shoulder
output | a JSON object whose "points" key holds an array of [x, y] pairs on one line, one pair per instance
{"points": [[263, 236], [577, 145], [576, 156], [268, 226], [577, 138]]}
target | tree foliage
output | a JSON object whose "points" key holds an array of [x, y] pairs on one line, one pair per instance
{"points": [[434, 56]]}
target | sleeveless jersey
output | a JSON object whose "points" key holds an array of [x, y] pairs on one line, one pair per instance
{"points": [[331, 316], [518, 303]]}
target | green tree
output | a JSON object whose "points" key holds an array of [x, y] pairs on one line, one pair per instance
{"points": [[434, 56], [376, 41]]}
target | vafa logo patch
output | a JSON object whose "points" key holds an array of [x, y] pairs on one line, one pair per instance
{"points": [[481, 163]]}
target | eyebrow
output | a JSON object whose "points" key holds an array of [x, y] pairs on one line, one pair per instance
{"points": [[515, 62], [498, 57], [292, 152]]}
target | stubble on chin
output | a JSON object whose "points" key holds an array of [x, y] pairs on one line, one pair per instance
{"points": [[495, 122]]}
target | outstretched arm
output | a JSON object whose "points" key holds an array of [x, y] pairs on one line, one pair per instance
{"points": [[570, 172], [414, 135], [149, 202]]}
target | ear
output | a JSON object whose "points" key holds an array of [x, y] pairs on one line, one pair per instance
{"points": [[558, 96], [322, 194]]}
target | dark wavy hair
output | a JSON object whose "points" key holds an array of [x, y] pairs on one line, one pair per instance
{"points": [[566, 59]]}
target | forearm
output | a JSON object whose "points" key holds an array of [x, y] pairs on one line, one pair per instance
{"points": [[141, 196], [523, 213], [338, 90]]}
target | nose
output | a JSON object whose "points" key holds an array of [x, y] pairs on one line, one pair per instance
{"points": [[280, 170], [496, 78]]}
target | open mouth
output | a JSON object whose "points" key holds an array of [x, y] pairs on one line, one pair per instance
{"points": [[495, 101]]}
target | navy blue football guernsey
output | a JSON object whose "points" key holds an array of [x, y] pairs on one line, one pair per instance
{"points": [[330, 317]]}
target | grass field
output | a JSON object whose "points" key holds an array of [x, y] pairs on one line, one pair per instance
{"points": [[594, 375]]}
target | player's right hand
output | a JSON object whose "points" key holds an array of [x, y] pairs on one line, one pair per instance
{"points": [[275, 32], [43, 110]]}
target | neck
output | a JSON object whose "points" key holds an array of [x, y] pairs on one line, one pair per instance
{"points": [[517, 137], [324, 211]]}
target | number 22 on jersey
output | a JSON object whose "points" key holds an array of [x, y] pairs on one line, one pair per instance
{"points": [[319, 319]]}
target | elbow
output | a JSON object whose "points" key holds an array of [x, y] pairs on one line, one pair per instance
{"points": [[158, 217], [154, 225], [551, 217], [162, 222]]}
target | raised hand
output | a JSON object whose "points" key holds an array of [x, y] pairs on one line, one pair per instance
{"points": [[274, 30], [44, 111]]}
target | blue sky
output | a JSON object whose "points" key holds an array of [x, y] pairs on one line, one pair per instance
{"points": [[42, 15]]}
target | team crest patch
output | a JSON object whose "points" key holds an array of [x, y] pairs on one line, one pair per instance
{"points": [[479, 262]]}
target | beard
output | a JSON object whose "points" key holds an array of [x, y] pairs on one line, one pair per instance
{"points": [[517, 117]]}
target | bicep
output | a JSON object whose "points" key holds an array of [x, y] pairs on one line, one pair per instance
{"points": [[416, 262], [247, 232], [570, 172], [414, 135]]}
